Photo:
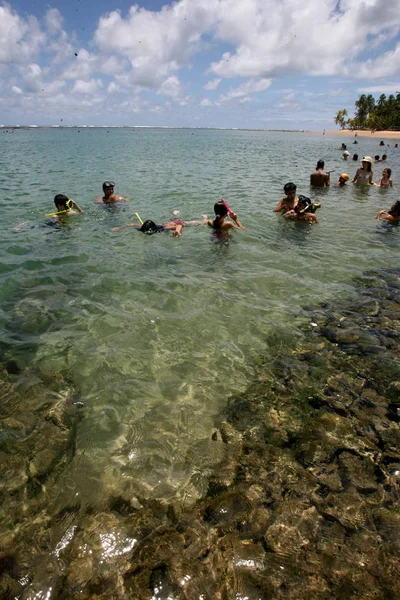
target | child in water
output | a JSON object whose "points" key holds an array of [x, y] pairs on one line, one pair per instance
{"points": [[392, 215], [303, 211], [290, 200], [221, 212], [64, 207], [342, 179], [385, 180]]}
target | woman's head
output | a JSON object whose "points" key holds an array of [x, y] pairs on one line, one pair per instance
{"points": [[367, 163], [220, 210]]}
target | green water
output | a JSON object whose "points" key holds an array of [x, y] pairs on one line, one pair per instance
{"points": [[155, 332]]}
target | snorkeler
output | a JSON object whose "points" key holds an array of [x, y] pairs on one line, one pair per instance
{"points": [[392, 215], [109, 196], [65, 206], [219, 225], [174, 225]]}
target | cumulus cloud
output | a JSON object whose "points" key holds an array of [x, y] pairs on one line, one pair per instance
{"points": [[20, 39], [252, 86]]}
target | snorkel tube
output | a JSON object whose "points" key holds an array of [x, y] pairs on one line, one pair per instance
{"points": [[138, 218], [60, 212], [226, 206]]}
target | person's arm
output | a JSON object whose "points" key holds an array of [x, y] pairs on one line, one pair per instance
{"points": [[310, 217], [355, 177], [234, 218], [390, 183], [290, 213], [370, 178], [114, 229], [280, 205], [381, 212], [178, 231], [328, 180], [74, 204]]}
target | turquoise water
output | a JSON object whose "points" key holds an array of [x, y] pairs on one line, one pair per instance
{"points": [[157, 332]]}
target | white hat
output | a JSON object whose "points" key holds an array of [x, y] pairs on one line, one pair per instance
{"points": [[367, 159]]}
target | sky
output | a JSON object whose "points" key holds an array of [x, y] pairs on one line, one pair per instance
{"points": [[257, 64]]}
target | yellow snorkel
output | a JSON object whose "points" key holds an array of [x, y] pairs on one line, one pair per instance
{"points": [[60, 212], [138, 218]]}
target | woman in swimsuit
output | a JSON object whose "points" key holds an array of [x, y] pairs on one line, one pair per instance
{"points": [[385, 180], [364, 175], [218, 224]]}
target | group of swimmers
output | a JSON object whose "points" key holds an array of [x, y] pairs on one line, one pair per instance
{"points": [[302, 208], [66, 206]]}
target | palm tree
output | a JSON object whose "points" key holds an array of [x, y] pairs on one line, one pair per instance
{"points": [[340, 118]]}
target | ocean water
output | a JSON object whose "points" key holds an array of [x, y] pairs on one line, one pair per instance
{"points": [[155, 332]]}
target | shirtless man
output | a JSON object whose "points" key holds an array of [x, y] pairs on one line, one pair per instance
{"points": [[319, 178], [109, 196], [289, 201]]}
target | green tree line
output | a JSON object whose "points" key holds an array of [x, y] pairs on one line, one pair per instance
{"points": [[380, 114]]}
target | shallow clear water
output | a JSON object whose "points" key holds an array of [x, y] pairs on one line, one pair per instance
{"points": [[157, 332]]}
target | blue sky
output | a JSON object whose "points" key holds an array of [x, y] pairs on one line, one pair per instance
{"points": [[270, 64]]}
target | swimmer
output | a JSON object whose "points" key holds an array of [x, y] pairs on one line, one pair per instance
{"points": [[345, 155], [392, 215], [221, 212], [342, 179], [303, 211], [174, 225], [109, 196], [385, 180], [364, 174], [319, 178], [65, 207], [384, 158], [290, 200]]}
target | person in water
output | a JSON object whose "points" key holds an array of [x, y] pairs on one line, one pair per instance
{"points": [[289, 201], [343, 178], [65, 206], [174, 225], [364, 174], [392, 215], [219, 224], [303, 211], [109, 197], [320, 178], [385, 180]]}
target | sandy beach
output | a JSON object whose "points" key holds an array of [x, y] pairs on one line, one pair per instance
{"points": [[394, 135]]}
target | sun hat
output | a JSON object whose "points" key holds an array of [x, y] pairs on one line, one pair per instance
{"points": [[344, 176], [367, 159], [346, 153]]}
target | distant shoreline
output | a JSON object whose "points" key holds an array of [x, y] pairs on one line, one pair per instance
{"points": [[393, 135], [151, 127]]}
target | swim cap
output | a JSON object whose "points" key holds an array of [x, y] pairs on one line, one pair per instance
{"points": [[344, 176]]}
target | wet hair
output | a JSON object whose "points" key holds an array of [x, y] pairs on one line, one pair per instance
{"points": [[355, 156], [220, 211], [304, 205], [321, 164], [376, 157], [150, 227], [61, 200], [384, 156], [108, 184], [395, 209], [289, 187], [389, 171]]}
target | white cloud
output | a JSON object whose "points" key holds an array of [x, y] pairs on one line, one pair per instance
{"points": [[87, 87], [252, 86], [388, 88], [170, 87], [206, 102], [53, 21], [20, 39], [16, 89], [212, 84]]}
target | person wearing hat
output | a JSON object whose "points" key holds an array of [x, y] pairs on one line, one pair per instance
{"points": [[319, 178], [364, 174], [109, 196], [345, 155], [342, 179]]}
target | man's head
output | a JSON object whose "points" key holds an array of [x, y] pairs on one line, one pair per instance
{"points": [[61, 202], [108, 188], [320, 164], [290, 190]]}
